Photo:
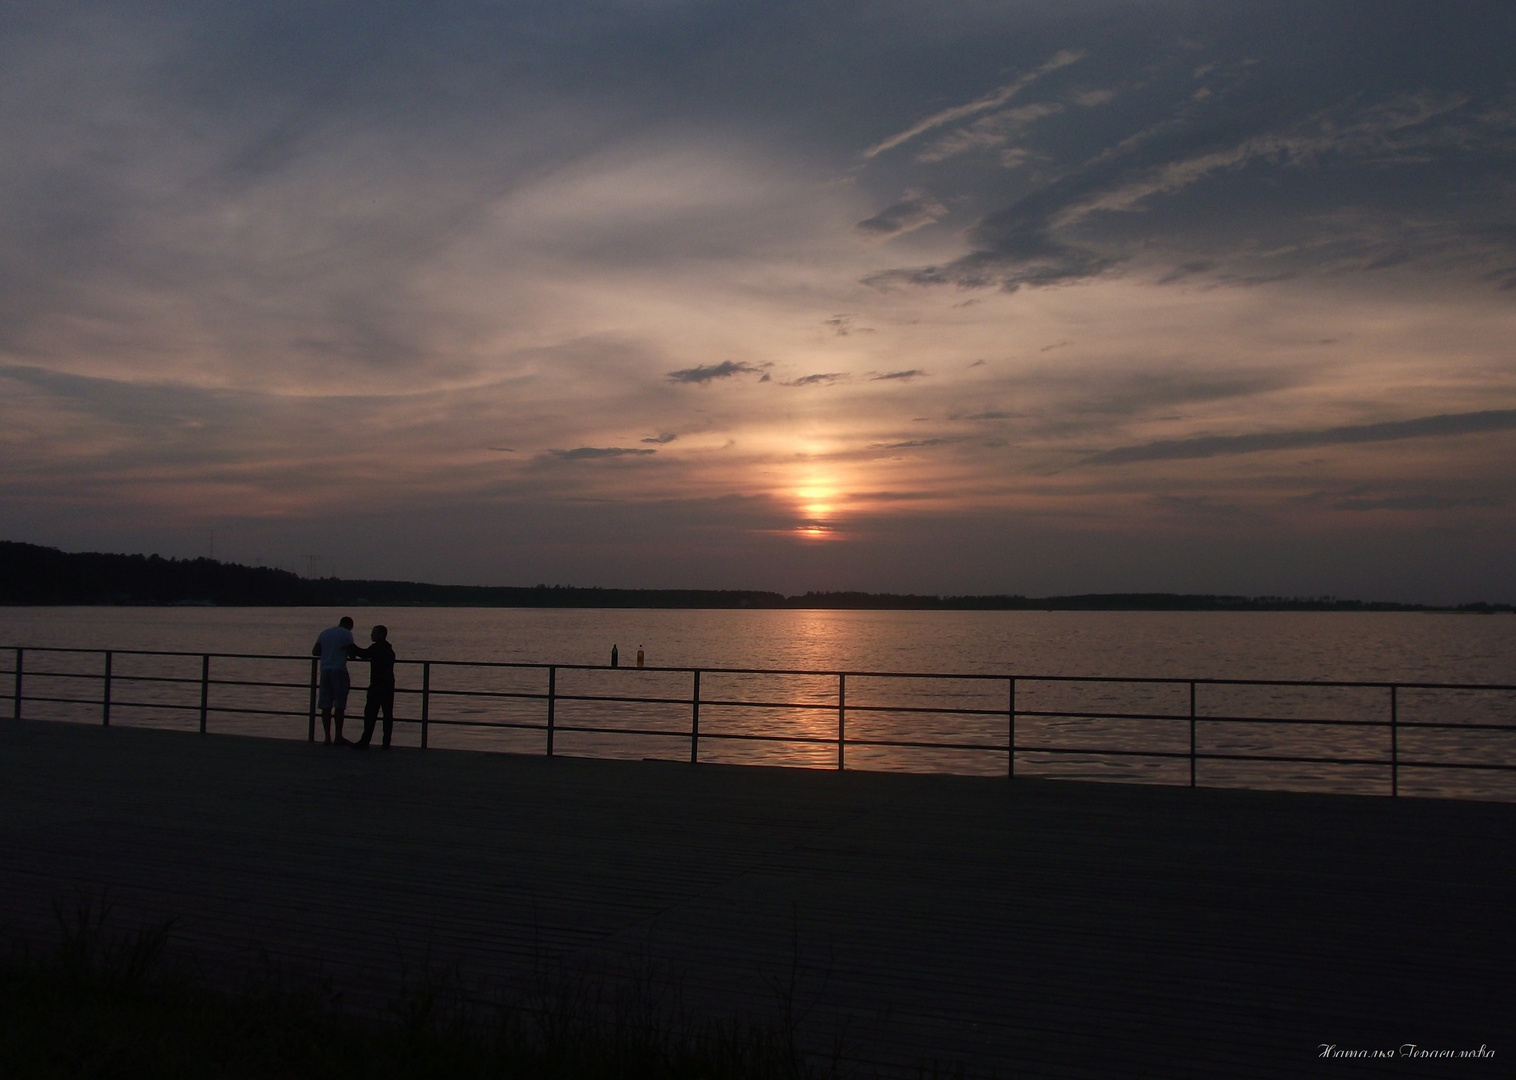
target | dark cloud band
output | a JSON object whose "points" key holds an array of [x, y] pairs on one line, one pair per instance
{"points": [[593, 453], [699, 376], [1220, 445]]}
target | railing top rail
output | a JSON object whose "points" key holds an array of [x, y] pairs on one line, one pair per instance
{"points": [[1166, 680]]}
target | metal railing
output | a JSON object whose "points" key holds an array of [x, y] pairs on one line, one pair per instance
{"points": [[1001, 719]]}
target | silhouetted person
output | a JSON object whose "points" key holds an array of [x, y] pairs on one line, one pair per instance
{"points": [[334, 645], [381, 686]]}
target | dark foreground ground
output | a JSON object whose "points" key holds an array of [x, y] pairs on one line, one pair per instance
{"points": [[1024, 928]]}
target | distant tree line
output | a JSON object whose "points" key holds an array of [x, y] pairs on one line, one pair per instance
{"points": [[30, 574]]}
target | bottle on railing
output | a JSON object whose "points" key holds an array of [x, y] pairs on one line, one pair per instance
{"points": [[639, 655], [615, 657]]}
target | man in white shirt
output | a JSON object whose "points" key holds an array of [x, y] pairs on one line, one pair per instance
{"points": [[334, 645]]}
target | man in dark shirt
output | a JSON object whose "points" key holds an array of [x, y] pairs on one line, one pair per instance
{"points": [[381, 686]]}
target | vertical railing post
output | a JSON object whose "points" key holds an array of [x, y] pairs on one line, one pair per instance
{"points": [[1192, 733], [1010, 742], [16, 707], [841, 720], [1394, 743], [426, 699], [552, 701], [105, 693], [315, 683], [695, 720], [205, 688]]}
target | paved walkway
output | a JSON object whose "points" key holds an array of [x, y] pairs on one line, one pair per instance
{"points": [[1027, 928]]}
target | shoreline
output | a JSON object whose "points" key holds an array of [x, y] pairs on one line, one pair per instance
{"points": [[31, 575]]}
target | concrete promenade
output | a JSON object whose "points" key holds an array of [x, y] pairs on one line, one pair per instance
{"points": [[1024, 928]]}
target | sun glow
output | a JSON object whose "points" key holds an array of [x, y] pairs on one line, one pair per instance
{"points": [[817, 501]]}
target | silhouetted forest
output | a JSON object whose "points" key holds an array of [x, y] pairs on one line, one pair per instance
{"points": [[30, 574]]}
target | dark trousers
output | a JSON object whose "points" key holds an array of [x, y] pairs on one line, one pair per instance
{"points": [[379, 698]]}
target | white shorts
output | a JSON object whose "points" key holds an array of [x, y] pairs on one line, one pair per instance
{"points": [[335, 685]]}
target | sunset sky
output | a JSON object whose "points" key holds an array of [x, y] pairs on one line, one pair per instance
{"points": [[963, 297]]}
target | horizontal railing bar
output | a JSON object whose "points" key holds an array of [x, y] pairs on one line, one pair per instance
{"points": [[999, 748], [953, 711], [117, 704], [684, 701], [66, 700], [737, 736], [1454, 726], [832, 705], [1456, 765], [434, 692], [473, 723], [1045, 714], [1093, 751], [943, 711], [156, 652], [1440, 726], [831, 672], [96, 675], [1308, 721], [299, 714], [1275, 758], [1177, 754], [1377, 762], [984, 747], [732, 703], [1213, 719], [213, 709], [1050, 715], [625, 731], [977, 676], [100, 677], [230, 682]]}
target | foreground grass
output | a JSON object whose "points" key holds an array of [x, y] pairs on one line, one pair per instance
{"points": [[105, 1004]]}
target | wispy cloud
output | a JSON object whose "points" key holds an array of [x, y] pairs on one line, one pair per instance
{"points": [[915, 209], [596, 453], [992, 100], [824, 378], [1217, 445], [845, 323], [709, 372], [912, 444], [1414, 503], [990, 132], [898, 376], [1069, 227]]}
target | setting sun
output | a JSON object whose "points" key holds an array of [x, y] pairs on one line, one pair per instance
{"points": [[816, 502]]}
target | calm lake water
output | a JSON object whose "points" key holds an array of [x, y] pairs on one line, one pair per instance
{"points": [[1405, 648]]}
